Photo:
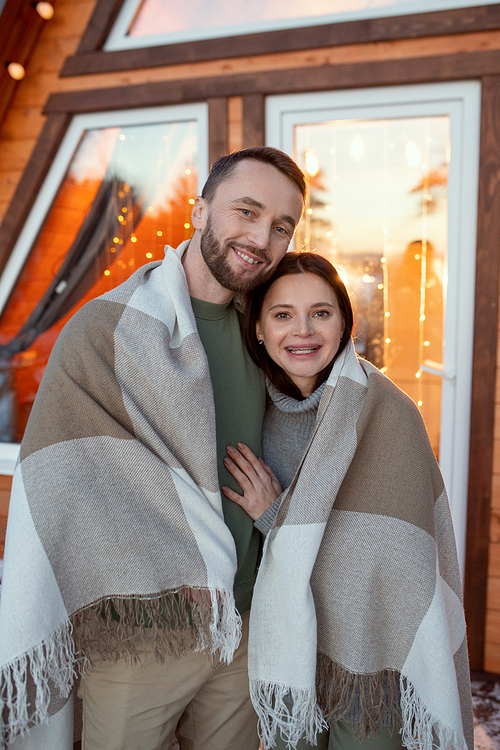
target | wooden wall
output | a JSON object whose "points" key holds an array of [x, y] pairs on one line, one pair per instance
{"points": [[60, 38], [492, 646]]}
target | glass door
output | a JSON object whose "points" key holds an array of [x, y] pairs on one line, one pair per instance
{"points": [[392, 203]]}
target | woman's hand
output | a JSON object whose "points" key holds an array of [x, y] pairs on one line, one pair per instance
{"points": [[260, 486]]}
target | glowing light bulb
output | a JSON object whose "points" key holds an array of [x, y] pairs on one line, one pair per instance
{"points": [[312, 165], [16, 71], [412, 154], [357, 147], [44, 10]]}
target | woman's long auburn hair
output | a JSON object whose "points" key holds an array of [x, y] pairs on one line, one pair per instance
{"points": [[291, 265]]}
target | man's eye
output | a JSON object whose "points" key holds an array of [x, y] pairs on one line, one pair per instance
{"points": [[246, 211], [283, 231]]}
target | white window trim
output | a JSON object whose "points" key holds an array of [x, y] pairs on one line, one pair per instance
{"points": [[55, 176], [462, 100], [118, 39]]}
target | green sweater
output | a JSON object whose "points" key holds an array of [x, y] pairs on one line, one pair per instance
{"points": [[239, 394]]}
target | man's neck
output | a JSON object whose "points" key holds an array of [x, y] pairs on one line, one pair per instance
{"points": [[201, 283]]}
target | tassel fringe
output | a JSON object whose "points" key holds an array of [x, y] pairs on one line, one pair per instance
{"points": [[421, 731], [291, 711], [24, 683], [174, 623], [189, 619], [370, 701]]}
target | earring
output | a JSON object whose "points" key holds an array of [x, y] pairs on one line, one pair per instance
{"points": [[261, 342]]}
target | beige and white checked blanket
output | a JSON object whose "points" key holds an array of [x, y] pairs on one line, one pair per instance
{"points": [[357, 607], [115, 504]]}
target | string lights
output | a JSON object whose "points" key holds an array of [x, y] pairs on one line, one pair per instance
{"points": [[398, 292], [16, 70], [155, 209], [44, 10]]}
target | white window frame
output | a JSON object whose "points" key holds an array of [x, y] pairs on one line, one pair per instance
{"points": [[55, 177], [119, 40], [462, 101]]}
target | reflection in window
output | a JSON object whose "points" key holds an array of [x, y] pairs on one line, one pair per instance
{"points": [[127, 193], [160, 17], [378, 208]]}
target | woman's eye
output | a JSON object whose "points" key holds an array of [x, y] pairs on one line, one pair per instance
{"points": [[321, 313], [282, 316]]}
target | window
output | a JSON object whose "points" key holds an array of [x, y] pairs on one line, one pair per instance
{"points": [[121, 188], [154, 22], [393, 200]]}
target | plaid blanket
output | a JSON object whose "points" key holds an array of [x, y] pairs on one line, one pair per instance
{"points": [[115, 504], [357, 609]]}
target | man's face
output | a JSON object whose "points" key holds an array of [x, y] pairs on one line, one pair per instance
{"points": [[246, 229]]}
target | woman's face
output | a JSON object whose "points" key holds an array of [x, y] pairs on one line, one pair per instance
{"points": [[301, 325]]}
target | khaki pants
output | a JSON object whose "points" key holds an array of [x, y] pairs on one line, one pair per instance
{"points": [[139, 707]]}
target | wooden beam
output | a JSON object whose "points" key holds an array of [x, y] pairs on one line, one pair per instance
{"points": [[31, 182], [99, 26], [217, 128], [412, 26], [484, 371], [20, 28], [461, 66], [254, 120]]}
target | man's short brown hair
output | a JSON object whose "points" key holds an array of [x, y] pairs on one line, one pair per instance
{"points": [[224, 167]]}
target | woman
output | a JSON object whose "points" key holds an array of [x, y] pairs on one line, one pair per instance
{"points": [[357, 615]]}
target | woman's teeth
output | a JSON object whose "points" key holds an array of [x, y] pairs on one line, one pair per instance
{"points": [[302, 351]]}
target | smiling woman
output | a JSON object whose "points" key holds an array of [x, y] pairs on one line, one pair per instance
{"points": [[301, 327], [353, 541], [298, 323]]}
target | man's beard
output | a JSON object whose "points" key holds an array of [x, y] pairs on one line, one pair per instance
{"points": [[215, 256]]}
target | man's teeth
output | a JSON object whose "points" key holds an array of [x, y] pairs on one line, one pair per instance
{"points": [[302, 351], [245, 257]]}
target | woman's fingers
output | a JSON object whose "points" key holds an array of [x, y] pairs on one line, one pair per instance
{"points": [[274, 481], [241, 477], [259, 485], [232, 495]]}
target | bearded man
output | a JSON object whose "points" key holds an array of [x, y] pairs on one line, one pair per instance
{"points": [[123, 561]]}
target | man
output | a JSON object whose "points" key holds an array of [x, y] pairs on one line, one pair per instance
{"points": [[118, 532]]}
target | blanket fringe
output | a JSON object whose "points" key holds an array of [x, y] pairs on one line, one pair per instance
{"points": [[173, 623], [293, 712], [25, 684], [370, 701], [382, 699], [421, 731]]}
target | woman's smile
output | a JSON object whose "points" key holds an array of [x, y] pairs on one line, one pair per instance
{"points": [[301, 326]]}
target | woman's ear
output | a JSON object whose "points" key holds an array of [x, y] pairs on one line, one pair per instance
{"points": [[258, 331], [198, 213]]}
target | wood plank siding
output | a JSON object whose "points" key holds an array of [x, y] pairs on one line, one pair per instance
{"points": [[69, 73]]}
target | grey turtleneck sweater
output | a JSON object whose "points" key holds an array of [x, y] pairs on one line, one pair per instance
{"points": [[287, 428]]}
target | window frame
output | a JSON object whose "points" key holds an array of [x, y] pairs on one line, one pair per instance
{"points": [[92, 58], [118, 39], [461, 101], [41, 207]]}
